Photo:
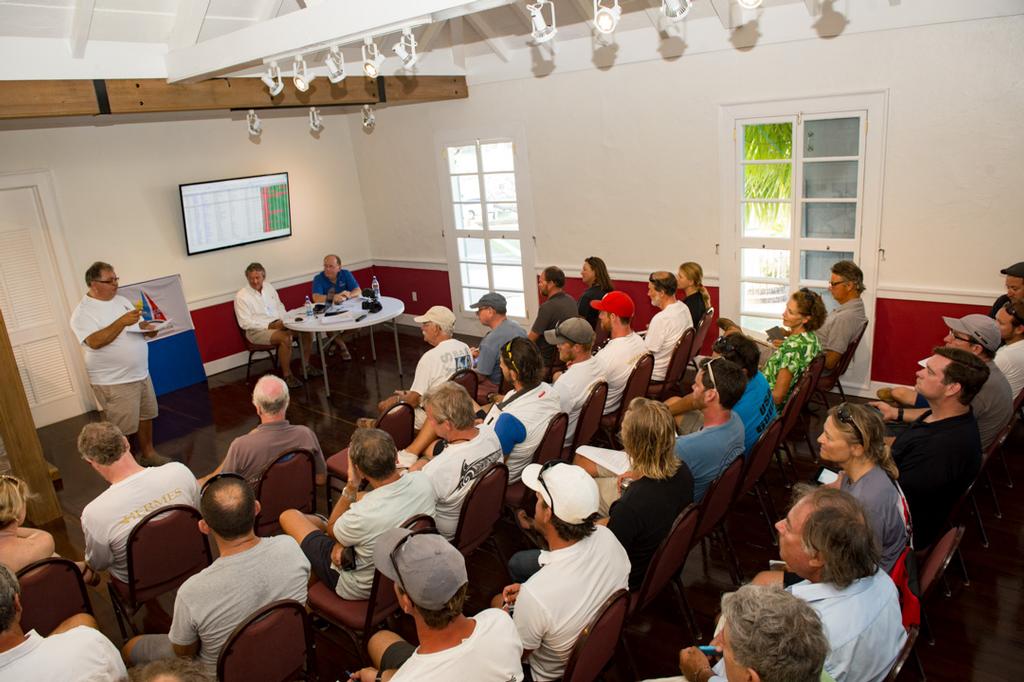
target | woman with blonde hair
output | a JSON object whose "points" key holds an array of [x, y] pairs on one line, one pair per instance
{"points": [[19, 546], [854, 440], [690, 279]]}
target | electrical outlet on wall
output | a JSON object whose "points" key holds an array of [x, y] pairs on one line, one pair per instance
{"points": [[414, 298]]}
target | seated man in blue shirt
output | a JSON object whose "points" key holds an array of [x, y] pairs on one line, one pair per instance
{"points": [[716, 389], [334, 285], [491, 310]]}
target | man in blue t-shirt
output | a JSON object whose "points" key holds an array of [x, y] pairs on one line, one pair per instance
{"points": [[491, 310], [717, 388], [334, 285]]}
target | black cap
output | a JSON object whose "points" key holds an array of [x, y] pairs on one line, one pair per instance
{"points": [[1015, 270]]}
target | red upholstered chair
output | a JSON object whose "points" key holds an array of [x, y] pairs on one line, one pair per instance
{"points": [[398, 421], [1017, 402], [164, 549], [757, 462], [661, 390], [829, 380], [550, 447], [254, 348], [715, 507], [288, 483], [52, 590], [702, 333], [468, 379], [905, 653], [589, 420], [275, 644], [636, 387], [481, 509], [934, 567], [597, 643], [792, 419]]}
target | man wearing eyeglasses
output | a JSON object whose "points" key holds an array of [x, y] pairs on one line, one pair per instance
{"points": [[117, 358], [1014, 287], [668, 324], [844, 323], [492, 311], [1010, 356]]}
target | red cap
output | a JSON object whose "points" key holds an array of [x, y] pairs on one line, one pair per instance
{"points": [[616, 303]]}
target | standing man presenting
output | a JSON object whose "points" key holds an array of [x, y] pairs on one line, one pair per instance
{"points": [[117, 360], [334, 285]]}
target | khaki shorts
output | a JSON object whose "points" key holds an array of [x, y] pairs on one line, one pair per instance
{"points": [[608, 488], [260, 336], [126, 404]]}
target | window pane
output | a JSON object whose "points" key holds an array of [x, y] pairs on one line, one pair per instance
{"points": [[498, 156], [465, 188], [831, 179], [471, 296], [816, 265], [772, 263], [767, 141], [502, 217], [507, 251], [500, 186], [826, 296], [761, 324], [475, 275], [508, 277], [767, 181], [766, 220], [515, 303], [462, 159], [471, 249], [830, 221], [467, 217], [768, 299], [832, 137]]}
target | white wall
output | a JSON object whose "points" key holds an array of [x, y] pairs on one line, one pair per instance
{"points": [[117, 188], [623, 163]]}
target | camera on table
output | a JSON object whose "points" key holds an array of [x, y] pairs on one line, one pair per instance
{"points": [[370, 302]]}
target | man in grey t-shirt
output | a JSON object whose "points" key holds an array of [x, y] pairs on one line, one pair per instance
{"points": [[491, 311], [844, 323], [250, 573], [558, 306]]}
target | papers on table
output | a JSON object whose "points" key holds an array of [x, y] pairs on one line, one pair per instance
{"points": [[343, 316], [615, 461]]}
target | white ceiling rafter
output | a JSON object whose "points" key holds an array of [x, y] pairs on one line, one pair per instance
{"points": [[188, 23], [458, 49], [723, 8], [523, 13], [81, 21], [272, 9], [813, 7], [491, 39], [585, 8], [430, 35]]}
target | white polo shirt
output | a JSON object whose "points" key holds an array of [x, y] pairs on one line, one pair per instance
{"points": [[533, 410], [255, 310], [81, 654], [573, 388], [123, 360], [492, 653], [663, 333], [616, 361], [455, 470], [560, 599]]}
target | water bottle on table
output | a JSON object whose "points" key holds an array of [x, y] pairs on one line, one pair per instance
{"points": [[309, 307], [375, 285]]}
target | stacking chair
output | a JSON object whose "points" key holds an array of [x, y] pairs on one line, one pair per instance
{"points": [[1017, 403], [703, 327], [906, 652], [468, 379], [481, 509], [829, 380], [715, 508], [661, 390], [517, 495], [791, 416], [288, 483], [589, 420], [275, 644], [164, 550], [934, 567], [254, 348], [636, 387], [757, 463], [52, 590], [596, 645], [398, 421]]}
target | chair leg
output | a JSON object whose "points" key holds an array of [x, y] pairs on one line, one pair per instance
{"points": [[1006, 468], [686, 609], [790, 456], [115, 602], [917, 662], [995, 498], [963, 568], [248, 367], [782, 469], [630, 661], [704, 554], [842, 393], [981, 524], [767, 510], [926, 627], [735, 572]]}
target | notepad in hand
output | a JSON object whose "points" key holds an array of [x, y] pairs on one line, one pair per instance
{"points": [[615, 461]]}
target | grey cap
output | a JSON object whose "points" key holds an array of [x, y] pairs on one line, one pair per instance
{"points": [[432, 570], [1015, 270], [572, 330], [981, 328], [492, 300]]}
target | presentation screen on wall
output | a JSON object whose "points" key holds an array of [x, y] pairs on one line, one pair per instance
{"points": [[227, 213]]}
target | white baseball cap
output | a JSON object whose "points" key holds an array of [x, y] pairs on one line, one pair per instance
{"points": [[575, 493]]}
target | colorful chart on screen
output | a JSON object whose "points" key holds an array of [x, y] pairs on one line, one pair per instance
{"points": [[225, 213]]}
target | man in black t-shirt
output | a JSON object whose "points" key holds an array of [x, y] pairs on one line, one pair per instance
{"points": [[1014, 287], [558, 306]]}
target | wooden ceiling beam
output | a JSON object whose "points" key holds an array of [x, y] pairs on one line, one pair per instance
{"points": [[30, 99]]}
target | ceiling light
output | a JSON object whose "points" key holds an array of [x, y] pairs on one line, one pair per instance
{"points": [[372, 58], [405, 49], [315, 123], [301, 77], [749, 4], [676, 10], [606, 18], [255, 127], [272, 79], [369, 117], [543, 30], [335, 63]]}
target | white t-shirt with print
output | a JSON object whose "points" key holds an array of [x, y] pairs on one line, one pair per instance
{"points": [[492, 653], [616, 361], [573, 389], [109, 519], [534, 409], [663, 333], [81, 654], [1010, 361], [439, 363], [123, 360], [455, 470]]}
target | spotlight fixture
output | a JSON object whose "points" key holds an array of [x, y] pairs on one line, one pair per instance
{"points": [[543, 30], [372, 58], [606, 17], [255, 127], [749, 4], [335, 63], [405, 49], [369, 118], [315, 123], [301, 77], [676, 10], [272, 79]]}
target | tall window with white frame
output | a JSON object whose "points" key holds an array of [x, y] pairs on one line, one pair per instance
{"points": [[799, 189], [487, 237]]}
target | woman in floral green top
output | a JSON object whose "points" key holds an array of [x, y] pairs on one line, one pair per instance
{"points": [[804, 313]]}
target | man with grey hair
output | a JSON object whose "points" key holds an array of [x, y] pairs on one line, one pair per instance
{"points": [[344, 560], [492, 312], [113, 339], [846, 283], [251, 454], [260, 314], [75, 651], [134, 492], [765, 634]]}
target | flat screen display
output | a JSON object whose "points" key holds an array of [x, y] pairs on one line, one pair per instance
{"points": [[225, 213]]}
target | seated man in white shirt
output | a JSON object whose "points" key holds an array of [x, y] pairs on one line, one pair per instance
{"points": [[585, 564], [75, 651], [832, 563], [260, 314], [617, 358], [668, 324], [574, 339], [431, 584], [1010, 356]]}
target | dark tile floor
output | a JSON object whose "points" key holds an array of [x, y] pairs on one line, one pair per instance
{"points": [[979, 629]]}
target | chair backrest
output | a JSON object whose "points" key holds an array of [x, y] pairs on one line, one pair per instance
{"points": [[288, 483], [636, 385], [382, 601], [468, 379], [701, 334], [597, 643], [677, 362], [938, 559], [399, 421], [589, 420], [814, 372], [798, 399], [997, 442], [481, 509], [550, 446], [718, 498], [1018, 401], [827, 381], [908, 647], [275, 644], [164, 550], [760, 457], [668, 559], [52, 590]]}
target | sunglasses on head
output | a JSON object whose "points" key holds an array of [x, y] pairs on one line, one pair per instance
{"points": [[709, 371], [229, 474], [844, 415], [723, 345], [394, 552], [1012, 309], [540, 478]]}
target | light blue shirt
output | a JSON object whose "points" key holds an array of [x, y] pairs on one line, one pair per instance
{"points": [[710, 451]]}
